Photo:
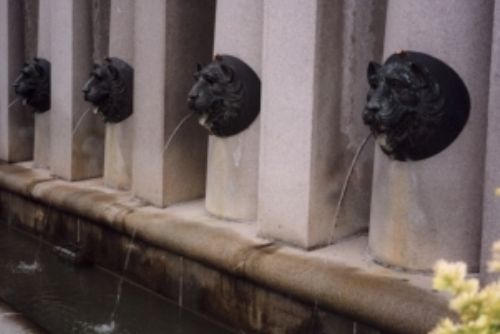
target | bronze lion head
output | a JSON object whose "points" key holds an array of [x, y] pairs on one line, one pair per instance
{"points": [[33, 84], [416, 105], [225, 96], [109, 89]]}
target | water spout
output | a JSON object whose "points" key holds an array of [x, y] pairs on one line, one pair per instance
{"points": [[177, 128], [79, 121], [13, 102], [345, 186]]}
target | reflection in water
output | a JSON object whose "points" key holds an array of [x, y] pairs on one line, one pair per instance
{"points": [[68, 299]]}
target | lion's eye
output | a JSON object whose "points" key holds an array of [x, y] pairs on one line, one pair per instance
{"points": [[210, 80], [372, 81], [396, 84]]}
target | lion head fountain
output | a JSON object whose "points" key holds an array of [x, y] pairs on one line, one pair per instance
{"points": [[225, 96], [33, 85], [109, 89], [416, 106]]}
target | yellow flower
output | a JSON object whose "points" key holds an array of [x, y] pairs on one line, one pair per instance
{"points": [[494, 264], [449, 276], [478, 310], [446, 326], [468, 305]]}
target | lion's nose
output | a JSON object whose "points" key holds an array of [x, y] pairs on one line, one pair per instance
{"points": [[367, 117], [373, 106], [192, 97]]}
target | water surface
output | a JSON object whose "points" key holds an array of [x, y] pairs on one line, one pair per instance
{"points": [[63, 298]]}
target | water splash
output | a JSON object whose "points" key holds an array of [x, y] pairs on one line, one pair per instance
{"points": [[33, 267], [105, 328], [28, 268], [345, 186], [79, 121], [177, 128]]}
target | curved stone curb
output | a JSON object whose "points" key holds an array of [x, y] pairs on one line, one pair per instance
{"points": [[338, 278]]}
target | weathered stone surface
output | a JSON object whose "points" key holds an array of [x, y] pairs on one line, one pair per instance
{"points": [[77, 147], [16, 121], [491, 205], [233, 162], [13, 322], [173, 35], [42, 120], [311, 118], [119, 137], [344, 281], [431, 209]]}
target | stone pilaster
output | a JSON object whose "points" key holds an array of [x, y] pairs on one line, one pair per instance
{"points": [[431, 209], [77, 145], [119, 137], [16, 120], [233, 162], [171, 36], [313, 94]]}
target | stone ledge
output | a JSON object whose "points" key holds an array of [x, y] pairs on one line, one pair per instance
{"points": [[340, 278], [15, 323]]}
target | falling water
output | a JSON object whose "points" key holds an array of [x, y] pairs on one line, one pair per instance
{"points": [[111, 325], [177, 128], [78, 231], [13, 102], [180, 302], [346, 184], [79, 121]]}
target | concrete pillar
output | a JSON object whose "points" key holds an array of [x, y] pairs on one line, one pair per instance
{"points": [[77, 145], [16, 120], [119, 137], [171, 36], [233, 162], [315, 56], [491, 205], [42, 120], [101, 12], [31, 13], [431, 209]]}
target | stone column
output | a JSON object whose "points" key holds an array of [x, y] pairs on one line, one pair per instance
{"points": [[119, 137], [431, 209], [171, 36], [313, 94], [77, 145], [16, 120], [491, 205], [42, 121], [233, 162]]}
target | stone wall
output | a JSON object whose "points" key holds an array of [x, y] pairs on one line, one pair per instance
{"points": [[284, 175]]}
